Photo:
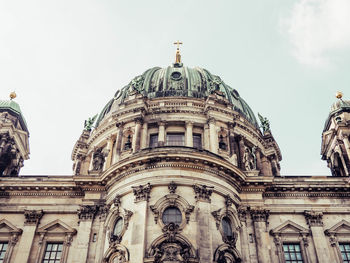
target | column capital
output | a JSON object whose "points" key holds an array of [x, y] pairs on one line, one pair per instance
{"points": [[32, 217], [211, 120], [87, 212], [313, 218], [203, 192], [161, 123], [259, 214], [189, 123], [139, 120], [142, 192]]}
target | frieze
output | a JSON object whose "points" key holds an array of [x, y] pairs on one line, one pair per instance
{"points": [[313, 218], [202, 192], [33, 216], [142, 192]]}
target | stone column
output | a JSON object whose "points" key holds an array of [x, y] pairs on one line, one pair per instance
{"points": [[314, 220], [118, 144], [213, 136], [204, 237], [265, 166], [161, 133], [259, 218], [102, 211], [86, 215], [206, 138], [137, 136], [242, 214], [138, 238], [347, 145], [32, 218], [241, 151], [144, 135], [189, 133], [109, 148], [258, 159]]}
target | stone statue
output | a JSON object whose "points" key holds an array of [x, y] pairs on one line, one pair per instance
{"points": [[214, 84], [137, 84], [98, 160], [89, 122], [249, 160], [265, 124]]}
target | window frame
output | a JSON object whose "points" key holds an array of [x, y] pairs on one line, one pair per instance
{"points": [[169, 207], [338, 234], [201, 140], [48, 234], [150, 141], [283, 235], [175, 133], [45, 251], [10, 236], [300, 250]]}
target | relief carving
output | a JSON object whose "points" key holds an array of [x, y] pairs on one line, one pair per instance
{"points": [[259, 214], [33, 216], [142, 192], [313, 218], [87, 212], [202, 192]]}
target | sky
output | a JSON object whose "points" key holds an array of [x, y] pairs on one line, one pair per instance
{"points": [[66, 59]]}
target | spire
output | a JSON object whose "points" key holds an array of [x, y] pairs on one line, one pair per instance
{"points": [[178, 56]]}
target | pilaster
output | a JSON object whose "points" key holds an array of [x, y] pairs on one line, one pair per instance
{"points": [[259, 217], [314, 220], [32, 218], [189, 133]]}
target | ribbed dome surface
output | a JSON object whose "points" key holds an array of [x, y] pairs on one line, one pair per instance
{"points": [[180, 81]]}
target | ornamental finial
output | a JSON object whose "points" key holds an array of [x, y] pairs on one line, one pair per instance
{"points": [[339, 95], [13, 95], [178, 56]]}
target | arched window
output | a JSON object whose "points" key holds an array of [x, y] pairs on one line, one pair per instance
{"points": [[172, 214], [226, 228], [118, 227]]}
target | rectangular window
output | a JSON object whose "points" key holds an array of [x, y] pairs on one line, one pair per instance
{"points": [[292, 253], [3, 247], [175, 139], [53, 253], [153, 140], [197, 141], [345, 252]]}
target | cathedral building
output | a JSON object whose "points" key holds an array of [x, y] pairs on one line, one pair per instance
{"points": [[175, 169]]}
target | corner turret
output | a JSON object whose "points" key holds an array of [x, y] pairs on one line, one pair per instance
{"points": [[14, 143], [335, 138]]}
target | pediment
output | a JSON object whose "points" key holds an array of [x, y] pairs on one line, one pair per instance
{"points": [[343, 227], [289, 227], [7, 227], [57, 227]]}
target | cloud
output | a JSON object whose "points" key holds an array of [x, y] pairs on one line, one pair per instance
{"points": [[318, 29]]}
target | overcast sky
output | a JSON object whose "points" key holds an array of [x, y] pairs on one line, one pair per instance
{"points": [[66, 59]]}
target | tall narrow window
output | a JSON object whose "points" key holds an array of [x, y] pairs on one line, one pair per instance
{"points": [[345, 252], [153, 140], [53, 253], [3, 247], [292, 253], [175, 139], [197, 141], [118, 227], [227, 229]]}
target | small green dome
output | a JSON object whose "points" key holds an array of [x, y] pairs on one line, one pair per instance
{"points": [[180, 81], [13, 107]]}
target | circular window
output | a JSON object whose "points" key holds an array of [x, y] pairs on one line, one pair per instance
{"points": [[172, 215], [226, 228], [118, 227], [176, 75]]}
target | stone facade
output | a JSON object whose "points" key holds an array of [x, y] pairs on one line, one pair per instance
{"points": [[199, 157]]}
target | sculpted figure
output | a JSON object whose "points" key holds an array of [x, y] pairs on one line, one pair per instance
{"points": [[88, 124], [98, 160], [265, 124], [249, 160]]}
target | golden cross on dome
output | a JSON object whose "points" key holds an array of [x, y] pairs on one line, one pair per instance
{"points": [[178, 56]]}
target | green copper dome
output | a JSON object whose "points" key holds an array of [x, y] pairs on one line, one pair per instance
{"points": [[13, 107], [180, 81]]}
